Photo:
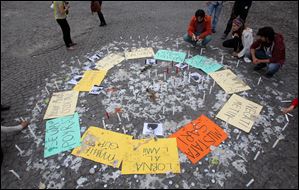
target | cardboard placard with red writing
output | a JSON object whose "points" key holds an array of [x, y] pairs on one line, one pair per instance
{"points": [[195, 138]]}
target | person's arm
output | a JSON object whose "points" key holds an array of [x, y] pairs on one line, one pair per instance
{"points": [[191, 28], [208, 29], [293, 105], [62, 8], [19, 127], [247, 40]]}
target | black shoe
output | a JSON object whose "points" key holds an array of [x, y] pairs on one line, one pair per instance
{"points": [[268, 75], [259, 66], [103, 24], [4, 108]]}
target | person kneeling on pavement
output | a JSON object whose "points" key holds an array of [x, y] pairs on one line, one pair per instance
{"points": [[268, 51], [199, 30]]}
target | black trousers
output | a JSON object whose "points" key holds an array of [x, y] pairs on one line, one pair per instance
{"points": [[235, 43], [101, 17], [240, 10], [66, 31]]}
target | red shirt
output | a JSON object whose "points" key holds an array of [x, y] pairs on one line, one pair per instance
{"points": [[207, 29], [295, 102]]}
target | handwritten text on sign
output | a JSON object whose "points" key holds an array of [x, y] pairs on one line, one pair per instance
{"points": [[109, 61], [62, 104], [240, 112], [103, 146], [139, 53], [62, 134], [195, 138], [167, 55], [90, 78], [152, 157], [229, 81]]}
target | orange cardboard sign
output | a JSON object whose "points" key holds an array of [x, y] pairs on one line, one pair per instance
{"points": [[195, 138]]}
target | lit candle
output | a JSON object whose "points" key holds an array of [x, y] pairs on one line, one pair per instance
{"points": [[21, 151], [259, 81], [15, 174], [276, 142], [47, 90], [257, 154], [250, 182]]}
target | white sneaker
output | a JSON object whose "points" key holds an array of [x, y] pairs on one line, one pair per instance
{"points": [[247, 60]]}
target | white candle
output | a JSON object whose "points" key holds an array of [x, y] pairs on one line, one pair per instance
{"points": [[118, 117], [164, 76], [177, 43], [38, 107], [31, 132], [22, 119], [274, 145], [204, 95], [188, 67], [222, 59], [214, 83], [290, 114], [259, 81], [107, 50], [56, 85], [201, 51], [238, 63], [103, 121], [124, 129], [257, 154], [146, 37], [156, 71], [287, 118], [202, 81], [286, 101], [250, 182], [238, 135], [14, 173], [285, 126], [47, 90], [128, 117], [173, 110], [79, 62], [21, 151], [163, 109], [210, 89], [146, 43], [149, 74], [189, 79]]}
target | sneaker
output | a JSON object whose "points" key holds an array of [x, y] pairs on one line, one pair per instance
{"points": [[70, 48], [223, 37], [103, 24], [73, 44], [268, 75]]}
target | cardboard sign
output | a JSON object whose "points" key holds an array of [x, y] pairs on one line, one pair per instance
{"points": [[240, 112], [195, 138], [229, 81], [62, 134], [62, 104], [140, 53], [149, 156], [109, 61], [90, 78], [207, 65], [103, 146], [167, 55], [195, 61]]}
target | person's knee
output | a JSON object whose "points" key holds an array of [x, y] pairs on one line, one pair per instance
{"points": [[186, 38], [208, 38], [225, 44]]}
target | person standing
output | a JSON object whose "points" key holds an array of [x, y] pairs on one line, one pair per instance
{"points": [[61, 10], [96, 6], [199, 29], [240, 9], [214, 9]]}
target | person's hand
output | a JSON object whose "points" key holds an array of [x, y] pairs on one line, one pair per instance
{"points": [[236, 35], [255, 60], [235, 54], [24, 124], [199, 39], [287, 110], [193, 37]]}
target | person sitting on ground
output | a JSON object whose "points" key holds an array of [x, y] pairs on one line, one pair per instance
{"points": [[242, 39], [293, 105], [268, 50], [199, 30]]}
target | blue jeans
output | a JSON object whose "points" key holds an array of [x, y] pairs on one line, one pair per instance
{"points": [[204, 42], [214, 7], [272, 68]]}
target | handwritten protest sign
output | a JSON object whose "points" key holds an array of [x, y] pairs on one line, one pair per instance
{"points": [[62, 104], [149, 156], [140, 53], [62, 134], [167, 55], [195, 138], [90, 78], [103, 146], [229, 81], [109, 61], [240, 112], [208, 65]]}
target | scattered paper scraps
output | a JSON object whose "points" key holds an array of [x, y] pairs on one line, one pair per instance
{"points": [[167, 55], [140, 53], [90, 78], [149, 156], [229, 81], [153, 129], [96, 89], [62, 134], [240, 112], [62, 104], [94, 57], [150, 61], [103, 146], [181, 65], [195, 138], [75, 79]]}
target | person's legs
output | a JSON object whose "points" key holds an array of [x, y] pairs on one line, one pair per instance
{"points": [[272, 69], [66, 31], [188, 39], [210, 10], [231, 43], [206, 40], [217, 9], [102, 19]]}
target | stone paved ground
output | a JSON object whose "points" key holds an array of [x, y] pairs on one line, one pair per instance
{"points": [[33, 56]]}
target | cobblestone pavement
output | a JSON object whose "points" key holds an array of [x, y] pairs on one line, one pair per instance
{"points": [[33, 56]]}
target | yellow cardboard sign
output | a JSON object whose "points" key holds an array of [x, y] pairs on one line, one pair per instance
{"points": [[90, 78], [62, 104], [240, 112], [103, 146], [229, 81], [109, 61], [152, 157], [140, 53]]}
